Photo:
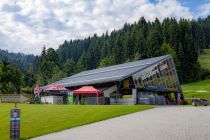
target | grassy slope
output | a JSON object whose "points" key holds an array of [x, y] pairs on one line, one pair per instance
{"points": [[38, 120], [197, 89], [193, 90], [204, 59]]}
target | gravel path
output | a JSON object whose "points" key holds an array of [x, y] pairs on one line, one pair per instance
{"points": [[160, 123]]}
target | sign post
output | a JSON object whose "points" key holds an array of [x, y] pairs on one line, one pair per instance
{"points": [[15, 124]]}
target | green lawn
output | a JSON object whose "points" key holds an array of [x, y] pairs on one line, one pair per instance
{"points": [[204, 59], [197, 89], [38, 120]]}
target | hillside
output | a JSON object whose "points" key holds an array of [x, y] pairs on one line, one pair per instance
{"points": [[204, 59], [199, 89], [18, 59]]}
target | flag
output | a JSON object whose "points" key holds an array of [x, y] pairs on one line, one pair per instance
{"points": [[37, 90]]}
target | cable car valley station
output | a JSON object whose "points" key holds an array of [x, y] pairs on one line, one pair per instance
{"points": [[148, 81]]}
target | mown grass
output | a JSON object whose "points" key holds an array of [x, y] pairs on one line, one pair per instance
{"points": [[204, 59], [197, 89], [38, 120]]}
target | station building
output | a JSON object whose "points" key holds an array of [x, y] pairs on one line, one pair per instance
{"points": [[148, 81]]}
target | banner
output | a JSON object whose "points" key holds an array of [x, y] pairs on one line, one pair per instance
{"points": [[37, 90]]}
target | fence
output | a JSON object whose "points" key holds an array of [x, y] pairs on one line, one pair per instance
{"points": [[122, 101]]}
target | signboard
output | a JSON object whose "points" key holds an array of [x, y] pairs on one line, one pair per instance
{"points": [[13, 98], [70, 98], [126, 83], [163, 66], [15, 124], [149, 72], [154, 71]]}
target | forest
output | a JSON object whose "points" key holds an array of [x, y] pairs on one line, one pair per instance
{"points": [[184, 39]]}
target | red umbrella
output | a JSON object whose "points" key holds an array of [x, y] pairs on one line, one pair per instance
{"points": [[88, 90], [56, 88]]}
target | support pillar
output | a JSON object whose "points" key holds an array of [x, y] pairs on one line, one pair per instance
{"points": [[176, 97], [134, 96], [117, 91]]}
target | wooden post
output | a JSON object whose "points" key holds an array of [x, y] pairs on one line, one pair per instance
{"points": [[134, 95], [118, 91], [97, 98]]}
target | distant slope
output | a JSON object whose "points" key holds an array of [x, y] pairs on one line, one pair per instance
{"points": [[197, 89], [204, 59], [18, 59]]}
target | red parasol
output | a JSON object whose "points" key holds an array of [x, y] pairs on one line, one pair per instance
{"points": [[56, 88], [88, 90]]}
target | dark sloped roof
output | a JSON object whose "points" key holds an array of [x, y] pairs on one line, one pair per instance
{"points": [[108, 74]]}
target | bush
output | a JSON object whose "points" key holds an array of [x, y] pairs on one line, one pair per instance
{"points": [[186, 102], [26, 90], [205, 74]]}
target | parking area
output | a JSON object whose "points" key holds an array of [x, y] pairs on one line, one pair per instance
{"points": [[160, 123]]}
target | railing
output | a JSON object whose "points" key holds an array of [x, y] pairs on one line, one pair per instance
{"points": [[121, 101]]}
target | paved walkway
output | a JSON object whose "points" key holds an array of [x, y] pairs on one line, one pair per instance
{"points": [[161, 123]]}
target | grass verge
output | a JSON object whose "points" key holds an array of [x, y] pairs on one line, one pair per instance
{"points": [[37, 120]]}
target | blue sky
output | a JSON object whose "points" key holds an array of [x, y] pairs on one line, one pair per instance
{"points": [[27, 25], [194, 5]]}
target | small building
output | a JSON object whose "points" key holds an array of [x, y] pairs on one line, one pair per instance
{"points": [[148, 81]]}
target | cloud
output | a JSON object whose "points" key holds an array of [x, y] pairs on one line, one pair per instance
{"points": [[204, 10], [11, 8], [27, 25]]}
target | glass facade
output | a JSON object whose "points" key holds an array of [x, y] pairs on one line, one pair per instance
{"points": [[160, 77]]}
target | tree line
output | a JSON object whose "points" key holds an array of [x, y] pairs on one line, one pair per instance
{"points": [[183, 39], [19, 60]]}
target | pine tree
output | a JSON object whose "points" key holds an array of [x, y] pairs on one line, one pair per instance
{"points": [[69, 67], [154, 41]]}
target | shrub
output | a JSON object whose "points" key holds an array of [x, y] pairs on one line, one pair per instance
{"points": [[205, 74], [186, 102], [26, 90]]}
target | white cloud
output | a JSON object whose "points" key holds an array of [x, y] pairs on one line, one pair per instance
{"points": [[204, 10], [26, 25]]}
